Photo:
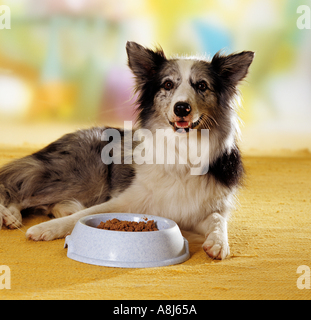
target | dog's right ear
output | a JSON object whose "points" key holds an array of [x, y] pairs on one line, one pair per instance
{"points": [[143, 62], [234, 67]]}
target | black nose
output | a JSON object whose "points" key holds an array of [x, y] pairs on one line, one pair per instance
{"points": [[182, 109]]}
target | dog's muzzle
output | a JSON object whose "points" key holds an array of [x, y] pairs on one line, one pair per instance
{"points": [[182, 109], [182, 121], [184, 126]]}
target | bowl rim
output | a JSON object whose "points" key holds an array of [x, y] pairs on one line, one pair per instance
{"points": [[172, 224]]}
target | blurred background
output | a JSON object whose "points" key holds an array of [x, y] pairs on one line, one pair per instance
{"points": [[63, 63]]}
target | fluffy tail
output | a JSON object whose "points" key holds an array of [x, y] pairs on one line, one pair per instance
{"points": [[28, 183], [16, 181]]}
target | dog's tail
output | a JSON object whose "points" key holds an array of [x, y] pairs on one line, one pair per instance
{"points": [[16, 182], [16, 179]]}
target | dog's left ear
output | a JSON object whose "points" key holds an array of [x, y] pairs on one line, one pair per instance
{"points": [[233, 67], [143, 62]]}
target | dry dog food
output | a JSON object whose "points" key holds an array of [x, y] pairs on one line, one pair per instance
{"points": [[131, 226]]}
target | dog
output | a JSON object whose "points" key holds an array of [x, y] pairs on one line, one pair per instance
{"points": [[69, 180]]}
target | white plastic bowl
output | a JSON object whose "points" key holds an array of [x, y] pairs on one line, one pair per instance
{"points": [[91, 245]]}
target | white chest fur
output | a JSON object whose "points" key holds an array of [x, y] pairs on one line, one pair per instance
{"points": [[176, 195]]}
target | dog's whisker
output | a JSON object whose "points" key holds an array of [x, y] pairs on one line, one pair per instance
{"points": [[206, 121], [209, 120], [213, 119]]}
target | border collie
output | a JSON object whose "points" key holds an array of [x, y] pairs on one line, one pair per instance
{"points": [[184, 96]]}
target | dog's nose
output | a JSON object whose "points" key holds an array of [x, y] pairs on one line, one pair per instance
{"points": [[182, 109]]}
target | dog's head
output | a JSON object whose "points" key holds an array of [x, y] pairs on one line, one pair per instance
{"points": [[186, 93]]}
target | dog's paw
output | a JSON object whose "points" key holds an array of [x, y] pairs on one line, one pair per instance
{"points": [[10, 217], [216, 246], [49, 230], [42, 232], [13, 220]]}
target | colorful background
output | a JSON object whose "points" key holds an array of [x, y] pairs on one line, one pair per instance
{"points": [[63, 63], [63, 67]]}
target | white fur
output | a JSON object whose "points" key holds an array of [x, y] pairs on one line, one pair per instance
{"points": [[184, 92], [66, 208], [186, 199], [195, 202]]}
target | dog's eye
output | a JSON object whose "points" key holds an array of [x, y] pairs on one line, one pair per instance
{"points": [[202, 86], [168, 85]]}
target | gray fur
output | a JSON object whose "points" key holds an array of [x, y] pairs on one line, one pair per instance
{"points": [[69, 169], [68, 175]]}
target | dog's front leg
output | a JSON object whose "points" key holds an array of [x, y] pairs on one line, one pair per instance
{"points": [[60, 227], [214, 227]]}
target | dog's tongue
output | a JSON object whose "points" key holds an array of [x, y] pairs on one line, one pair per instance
{"points": [[182, 124]]}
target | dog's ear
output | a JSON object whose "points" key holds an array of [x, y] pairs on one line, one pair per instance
{"points": [[234, 67], [143, 62]]}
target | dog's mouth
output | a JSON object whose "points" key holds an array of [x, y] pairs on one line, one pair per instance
{"points": [[184, 126]]}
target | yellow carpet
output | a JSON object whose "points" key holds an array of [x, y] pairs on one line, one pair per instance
{"points": [[269, 235]]}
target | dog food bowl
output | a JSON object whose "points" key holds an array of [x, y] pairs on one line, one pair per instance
{"points": [[110, 248]]}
